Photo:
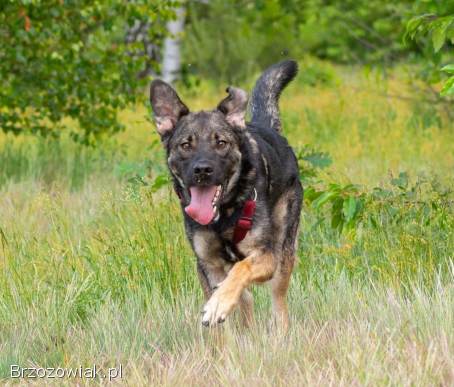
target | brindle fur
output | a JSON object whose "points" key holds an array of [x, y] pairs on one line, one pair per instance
{"points": [[256, 159]]}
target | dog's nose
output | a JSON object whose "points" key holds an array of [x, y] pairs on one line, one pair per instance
{"points": [[202, 168]]}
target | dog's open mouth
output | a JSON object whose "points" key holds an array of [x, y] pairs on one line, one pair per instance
{"points": [[203, 207]]}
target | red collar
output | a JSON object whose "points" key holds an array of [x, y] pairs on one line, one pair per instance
{"points": [[244, 224]]}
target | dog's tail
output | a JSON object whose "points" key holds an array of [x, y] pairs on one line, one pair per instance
{"points": [[265, 96]]}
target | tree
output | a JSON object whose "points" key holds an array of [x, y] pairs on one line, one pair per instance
{"points": [[171, 56], [69, 59], [441, 31]]}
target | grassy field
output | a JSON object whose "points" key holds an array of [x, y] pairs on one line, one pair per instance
{"points": [[95, 268]]}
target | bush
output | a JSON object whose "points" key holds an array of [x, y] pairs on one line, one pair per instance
{"points": [[68, 59]]}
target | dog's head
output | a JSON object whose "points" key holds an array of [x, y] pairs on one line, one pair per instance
{"points": [[203, 148]]}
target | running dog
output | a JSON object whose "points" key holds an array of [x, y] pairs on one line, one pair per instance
{"points": [[239, 189]]}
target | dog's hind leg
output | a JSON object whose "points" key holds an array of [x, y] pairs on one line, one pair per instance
{"points": [[286, 219], [279, 287]]}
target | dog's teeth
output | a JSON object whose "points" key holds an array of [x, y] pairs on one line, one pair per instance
{"points": [[217, 215]]}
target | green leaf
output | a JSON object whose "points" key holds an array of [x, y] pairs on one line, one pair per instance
{"points": [[413, 25], [337, 220], [448, 68], [324, 198], [439, 33], [310, 194], [438, 38], [448, 88], [349, 208], [160, 181]]}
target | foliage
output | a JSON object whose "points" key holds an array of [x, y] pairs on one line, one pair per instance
{"points": [[310, 161], [68, 59], [352, 31], [349, 207], [315, 72], [345, 207], [233, 40], [441, 30], [73, 60]]}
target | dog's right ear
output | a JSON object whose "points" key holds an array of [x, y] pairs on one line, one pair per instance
{"points": [[167, 106]]}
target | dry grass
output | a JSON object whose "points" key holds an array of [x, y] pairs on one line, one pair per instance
{"points": [[96, 270]]}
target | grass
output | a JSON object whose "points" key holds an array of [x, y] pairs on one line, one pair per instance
{"points": [[95, 268]]}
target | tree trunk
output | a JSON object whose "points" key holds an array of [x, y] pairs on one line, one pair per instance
{"points": [[171, 56]]}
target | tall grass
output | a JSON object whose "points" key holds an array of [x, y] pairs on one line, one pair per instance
{"points": [[95, 267]]}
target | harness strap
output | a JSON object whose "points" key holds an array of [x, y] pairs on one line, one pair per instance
{"points": [[244, 224]]}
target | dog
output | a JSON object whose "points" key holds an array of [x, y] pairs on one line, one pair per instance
{"points": [[240, 193]]}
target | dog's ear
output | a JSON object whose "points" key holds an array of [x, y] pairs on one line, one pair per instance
{"points": [[167, 106], [234, 106]]}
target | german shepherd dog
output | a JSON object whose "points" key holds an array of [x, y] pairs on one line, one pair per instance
{"points": [[220, 165]]}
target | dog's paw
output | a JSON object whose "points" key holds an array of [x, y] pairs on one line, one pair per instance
{"points": [[217, 308]]}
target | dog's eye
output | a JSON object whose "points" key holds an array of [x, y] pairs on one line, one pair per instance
{"points": [[185, 145], [221, 144]]}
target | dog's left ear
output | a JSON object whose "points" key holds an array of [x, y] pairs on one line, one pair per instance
{"points": [[234, 106]]}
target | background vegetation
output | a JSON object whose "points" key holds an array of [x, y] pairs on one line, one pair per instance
{"points": [[94, 263]]}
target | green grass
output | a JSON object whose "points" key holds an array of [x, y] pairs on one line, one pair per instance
{"points": [[95, 268]]}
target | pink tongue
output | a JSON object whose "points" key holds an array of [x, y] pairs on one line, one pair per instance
{"points": [[200, 209]]}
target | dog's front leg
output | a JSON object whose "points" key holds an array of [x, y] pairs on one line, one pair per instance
{"points": [[257, 267]]}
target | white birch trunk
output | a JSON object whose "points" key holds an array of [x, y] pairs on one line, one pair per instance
{"points": [[171, 56]]}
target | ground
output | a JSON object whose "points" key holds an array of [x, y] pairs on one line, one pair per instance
{"points": [[95, 268]]}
